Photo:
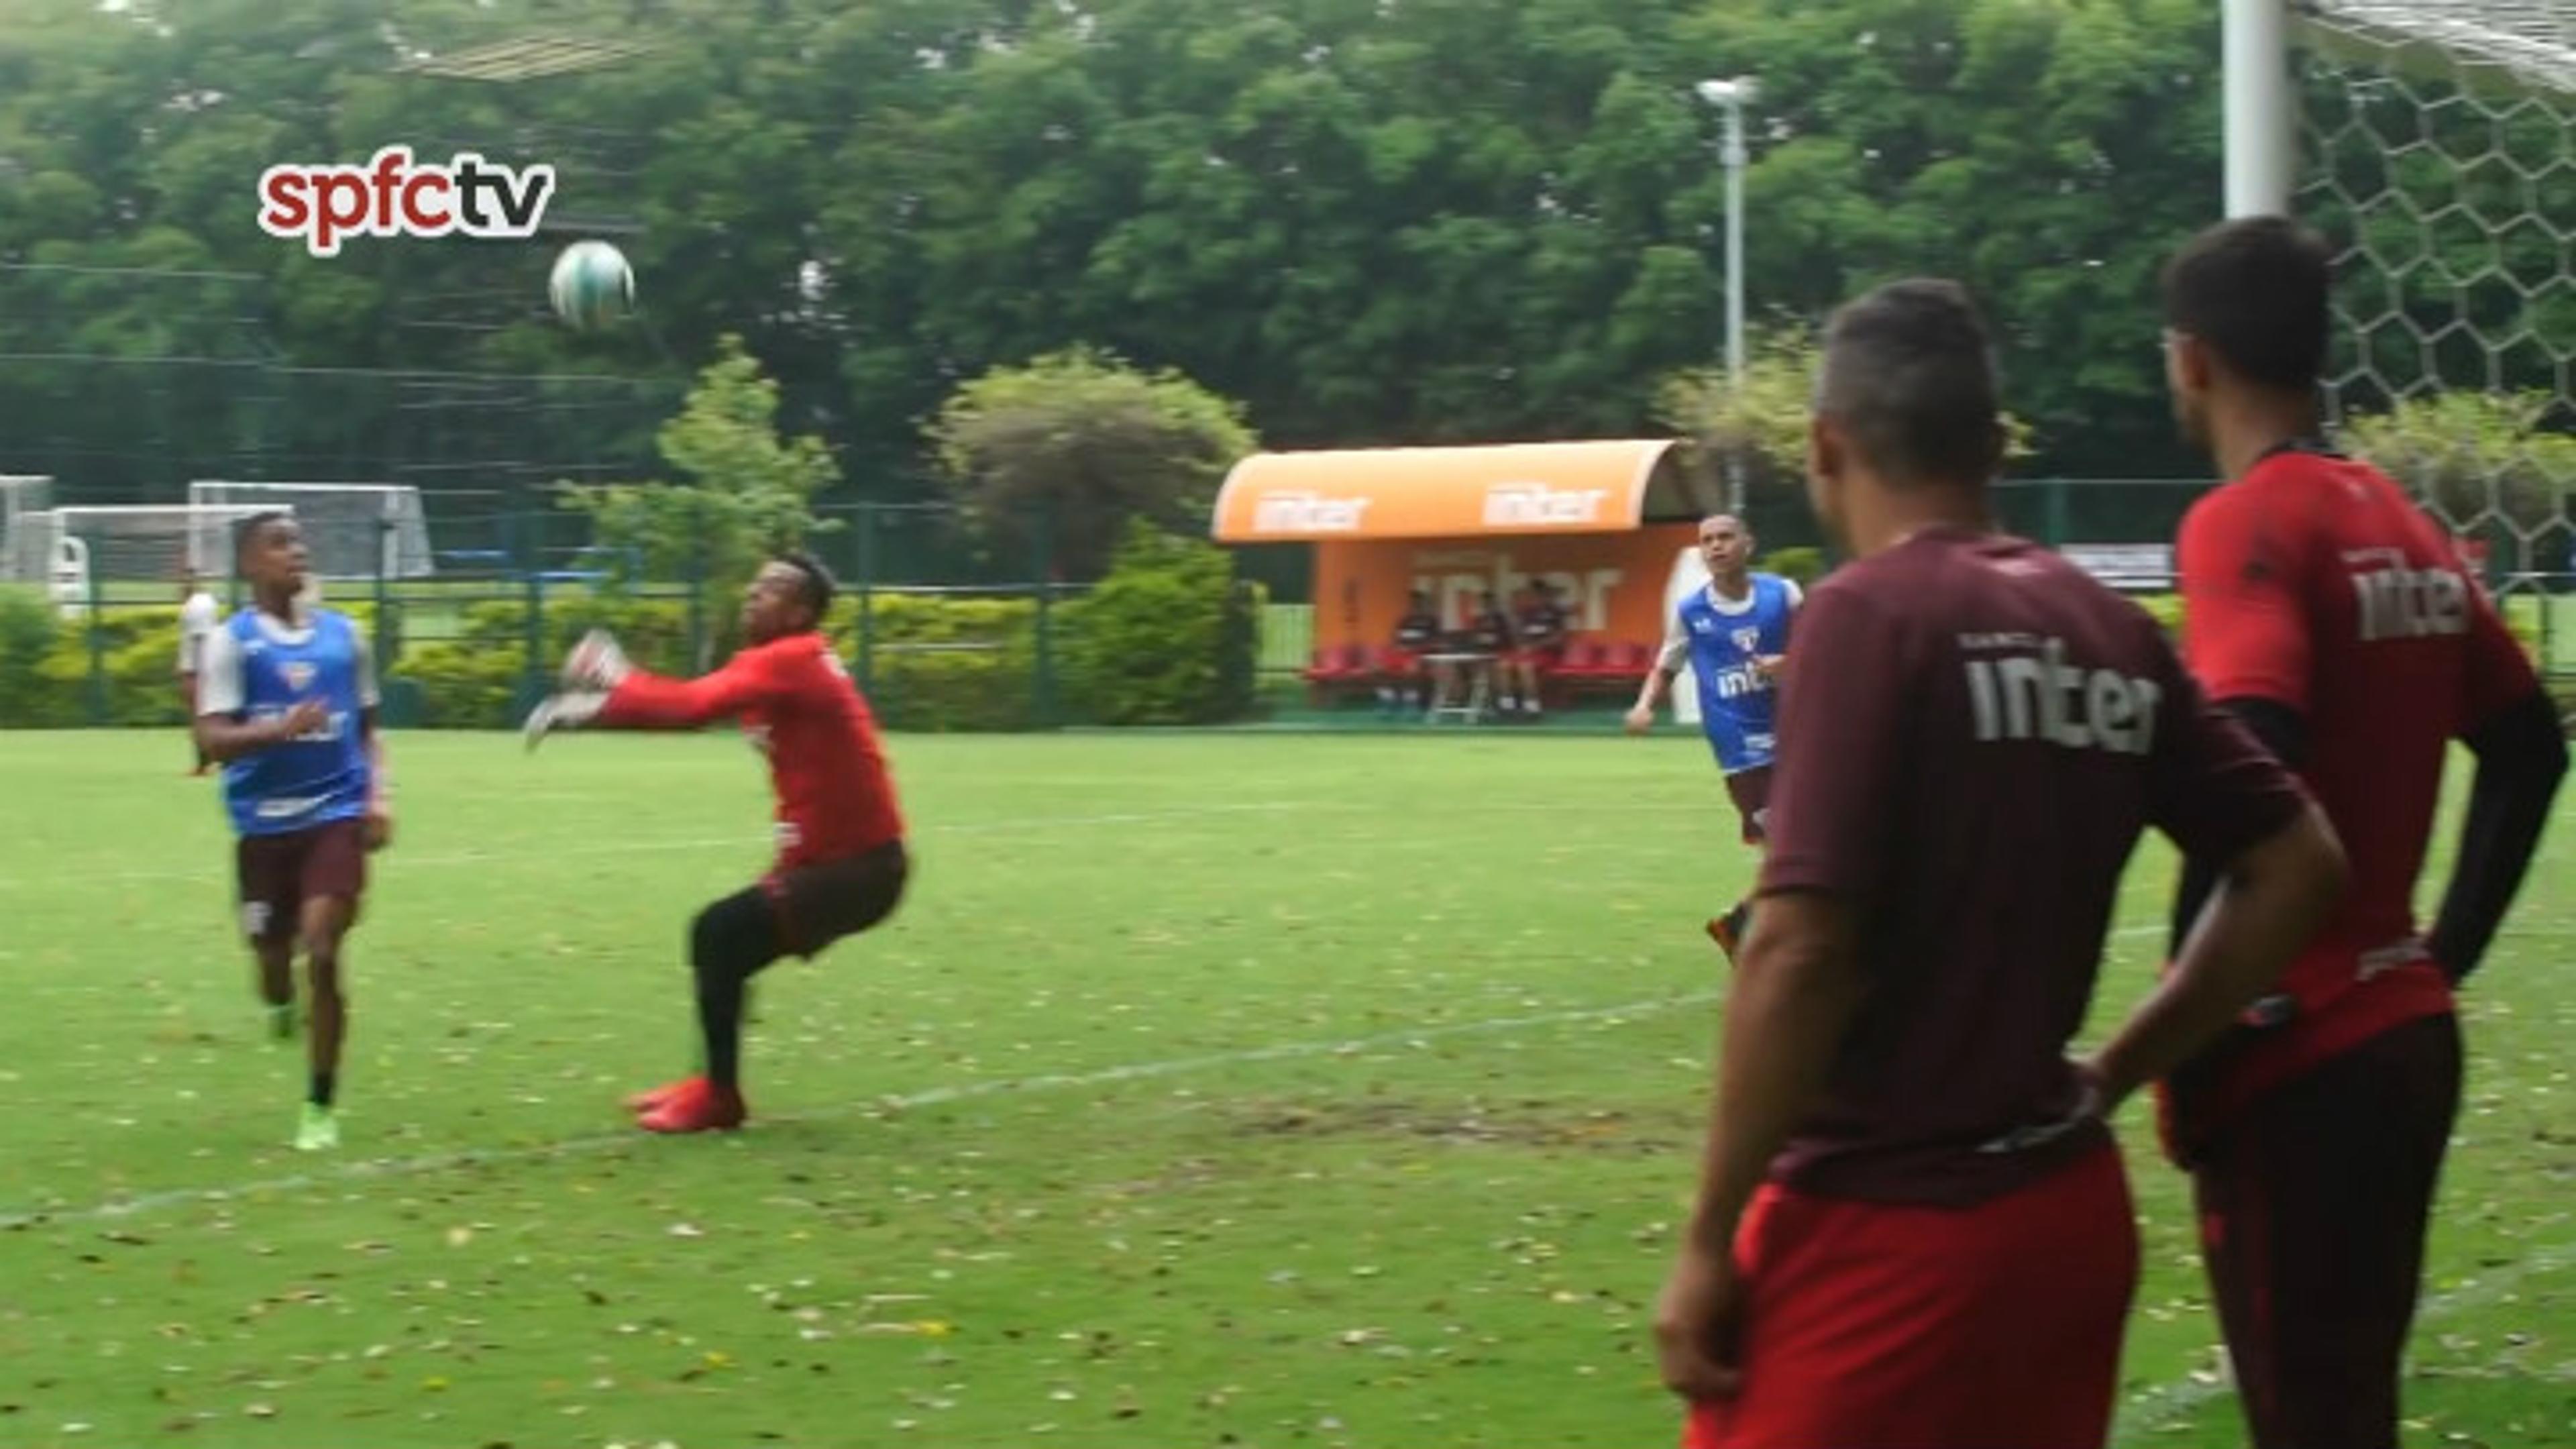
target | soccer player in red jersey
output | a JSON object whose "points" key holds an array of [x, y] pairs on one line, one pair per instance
{"points": [[1913, 1227], [2336, 620], [841, 860]]}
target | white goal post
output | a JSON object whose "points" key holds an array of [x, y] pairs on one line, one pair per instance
{"points": [[354, 531], [22, 496]]}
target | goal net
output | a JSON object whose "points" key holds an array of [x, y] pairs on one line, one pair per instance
{"points": [[352, 530], [2438, 152], [129, 551], [21, 497]]}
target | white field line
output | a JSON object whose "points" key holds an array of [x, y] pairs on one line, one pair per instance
{"points": [[2168, 1403], [929, 1097]]}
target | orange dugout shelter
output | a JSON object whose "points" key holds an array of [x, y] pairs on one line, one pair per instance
{"points": [[1609, 524]]}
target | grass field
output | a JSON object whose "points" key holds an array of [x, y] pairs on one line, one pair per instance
{"points": [[1253, 1091]]}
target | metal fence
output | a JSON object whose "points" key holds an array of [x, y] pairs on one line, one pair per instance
{"points": [[942, 632]]}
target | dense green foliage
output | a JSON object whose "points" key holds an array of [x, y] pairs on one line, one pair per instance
{"points": [[1438, 220], [1166, 639], [748, 495], [1062, 454]]}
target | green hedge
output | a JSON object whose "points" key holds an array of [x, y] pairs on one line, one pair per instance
{"points": [[1168, 638], [947, 664], [46, 666]]}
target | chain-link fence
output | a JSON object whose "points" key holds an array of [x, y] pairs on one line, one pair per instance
{"points": [[942, 632]]}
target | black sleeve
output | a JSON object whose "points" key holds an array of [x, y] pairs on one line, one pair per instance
{"points": [[2278, 728], [2521, 757]]}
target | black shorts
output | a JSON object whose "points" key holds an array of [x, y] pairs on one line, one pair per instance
{"points": [[279, 873], [820, 903], [1751, 792], [2313, 1203]]}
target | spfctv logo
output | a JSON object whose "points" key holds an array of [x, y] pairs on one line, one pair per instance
{"points": [[392, 196]]}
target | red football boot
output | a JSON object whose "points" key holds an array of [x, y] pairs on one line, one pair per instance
{"points": [[698, 1106], [647, 1101]]}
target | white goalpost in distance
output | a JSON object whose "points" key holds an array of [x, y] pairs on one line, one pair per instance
{"points": [[354, 531], [22, 497]]}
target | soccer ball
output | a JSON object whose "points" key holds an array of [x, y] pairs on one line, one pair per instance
{"points": [[592, 286]]}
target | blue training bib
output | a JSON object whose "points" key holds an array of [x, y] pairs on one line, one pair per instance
{"points": [[1736, 704], [316, 778]]}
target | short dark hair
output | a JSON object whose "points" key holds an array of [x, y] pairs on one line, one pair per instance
{"points": [[1909, 374], [248, 529], [2256, 290], [820, 586]]}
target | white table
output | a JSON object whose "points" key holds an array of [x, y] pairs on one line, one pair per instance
{"points": [[1445, 686]]}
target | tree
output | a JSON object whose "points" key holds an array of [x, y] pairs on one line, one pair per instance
{"points": [[1068, 449], [1765, 421], [2472, 456], [750, 494]]}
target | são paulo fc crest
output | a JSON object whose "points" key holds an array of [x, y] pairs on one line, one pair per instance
{"points": [[298, 674], [1748, 640]]}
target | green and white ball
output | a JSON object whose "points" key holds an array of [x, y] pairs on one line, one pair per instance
{"points": [[592, 286]]}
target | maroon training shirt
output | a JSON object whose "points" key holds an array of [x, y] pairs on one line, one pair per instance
{"points": [[1973, 733]]}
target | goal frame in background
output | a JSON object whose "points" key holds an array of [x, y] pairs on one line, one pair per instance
{"points": [[66, 548], [399, 549], [22, 497], [2435, 142]]}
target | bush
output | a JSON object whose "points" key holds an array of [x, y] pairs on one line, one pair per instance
{"points": [[466, 687], [29, 697], [46, 666], [946, 664], [654, 632], [2165, 609], [1800, 566], [1168, 638]]}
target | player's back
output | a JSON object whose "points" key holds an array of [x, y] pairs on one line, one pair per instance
{"points": [[1973, 735], [2389, 628], [835, 792]]}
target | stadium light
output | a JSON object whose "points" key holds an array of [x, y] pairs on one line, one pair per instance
{"points": [[1733, 96]]}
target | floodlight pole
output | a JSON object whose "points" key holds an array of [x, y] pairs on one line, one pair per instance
{"points": [[2261, 108], [1732, 95]]}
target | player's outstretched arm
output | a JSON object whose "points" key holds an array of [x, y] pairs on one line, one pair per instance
{"points": [[2267, 903], [632, 698], [2521, 757], [1658, 681]]}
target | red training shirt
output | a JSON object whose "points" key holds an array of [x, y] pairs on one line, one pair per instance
{"points": [[1973, 733], [798, 706], [2315, 583]]}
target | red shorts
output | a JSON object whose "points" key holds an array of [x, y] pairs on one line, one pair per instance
{"points": [[1399, 662], [1871, 1326], [279, 873], [820, 903], [1751, 792]]}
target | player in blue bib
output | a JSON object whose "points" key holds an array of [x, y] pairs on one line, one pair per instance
{"points": [[1734, 635], [286, 701]]}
